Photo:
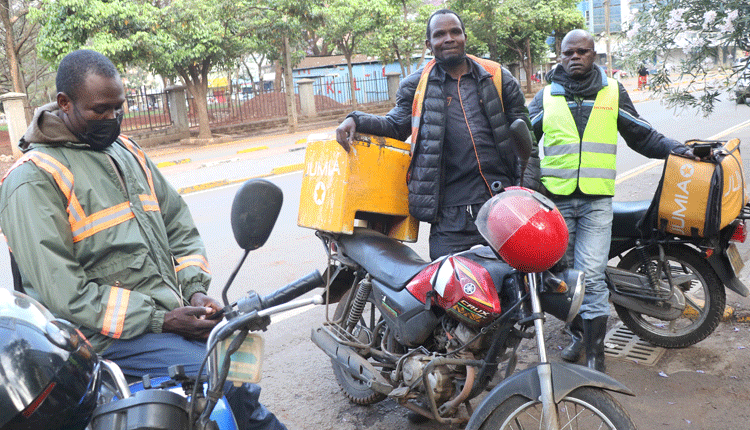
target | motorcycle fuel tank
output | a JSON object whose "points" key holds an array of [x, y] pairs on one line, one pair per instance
{"points": [[463, 287]]}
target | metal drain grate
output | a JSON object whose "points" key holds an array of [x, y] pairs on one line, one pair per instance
{"points": [[622, 343]]}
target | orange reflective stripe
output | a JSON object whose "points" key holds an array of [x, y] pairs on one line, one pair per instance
{"points": [[81, 226], [141, 157], [150, 203], [192, 260], [101, 220], [416, 106], [117, 307]]}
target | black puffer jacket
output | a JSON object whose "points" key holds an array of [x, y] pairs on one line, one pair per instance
{"points": [[425, 183]]}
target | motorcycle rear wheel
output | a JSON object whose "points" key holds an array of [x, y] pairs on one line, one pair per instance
{"points": [[355, 390], [704, 298], [584, 408]]}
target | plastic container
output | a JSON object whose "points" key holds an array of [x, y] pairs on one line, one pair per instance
{"points": [[368, 183]]}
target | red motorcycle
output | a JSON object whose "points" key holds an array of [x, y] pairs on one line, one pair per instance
{"points": [[432, 335]]}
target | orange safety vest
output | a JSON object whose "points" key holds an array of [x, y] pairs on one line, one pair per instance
{"points": [[416, 108]]}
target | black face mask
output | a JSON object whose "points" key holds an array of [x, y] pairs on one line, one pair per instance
{"points": [[101, 133]]}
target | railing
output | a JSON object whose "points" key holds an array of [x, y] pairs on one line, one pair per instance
{"points": [[239, 104], [334, 93], [243, 104], [146, 110]]}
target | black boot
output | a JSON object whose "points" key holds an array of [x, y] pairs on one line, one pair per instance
{"points": [[593, 337], [573, 351]]}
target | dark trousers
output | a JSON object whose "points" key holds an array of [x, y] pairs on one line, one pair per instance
{"points": [[153, 353], [455, 231]]}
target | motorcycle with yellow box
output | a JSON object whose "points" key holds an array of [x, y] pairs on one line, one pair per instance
{"points": [[676, 254], [431, 335]]}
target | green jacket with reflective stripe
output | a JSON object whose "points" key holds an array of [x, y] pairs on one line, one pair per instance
{"points": [[587, 162], [130, 260]]}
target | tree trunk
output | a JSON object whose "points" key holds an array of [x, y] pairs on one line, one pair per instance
{"points": [[19, 85], [291, 105], [528, 65], [279, 69], [199, 91], [352, 85]]}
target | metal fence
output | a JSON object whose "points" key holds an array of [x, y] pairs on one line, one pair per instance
{"points": [[247, 103], [335, 93], [146, 110], [238, 104]]}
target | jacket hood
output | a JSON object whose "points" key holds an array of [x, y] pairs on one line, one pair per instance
{"points": [[46, 127]]}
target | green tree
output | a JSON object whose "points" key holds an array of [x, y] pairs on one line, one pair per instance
{"points": [[185, 38], [402, 33], [691, 37], [516, 30], [19, 69], [347, 24]]}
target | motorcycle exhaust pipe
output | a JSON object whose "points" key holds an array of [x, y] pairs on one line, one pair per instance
{"points": [[347, 358]]}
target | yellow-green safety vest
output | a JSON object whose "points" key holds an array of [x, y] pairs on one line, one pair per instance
{"points": [[588, 163]]}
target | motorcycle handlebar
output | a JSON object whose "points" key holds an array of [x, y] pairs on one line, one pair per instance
{"points": [[293, 290]]}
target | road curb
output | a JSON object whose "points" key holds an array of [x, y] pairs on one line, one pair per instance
{"points": [[739, 317], [224, 182]]}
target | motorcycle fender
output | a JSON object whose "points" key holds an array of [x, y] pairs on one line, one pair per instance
{"points": [[722, 267], [565, 378]]}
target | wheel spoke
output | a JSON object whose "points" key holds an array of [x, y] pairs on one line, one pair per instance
{"points": [[689, 300]]}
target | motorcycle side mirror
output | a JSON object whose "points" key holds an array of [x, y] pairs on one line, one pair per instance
{"points": [[521, 139], [255, 208], [521, 143]]}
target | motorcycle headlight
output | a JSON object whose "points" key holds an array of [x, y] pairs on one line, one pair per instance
{"points": [[562, 294]]}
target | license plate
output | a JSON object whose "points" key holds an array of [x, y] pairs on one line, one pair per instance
{"points": [[734, 258]]}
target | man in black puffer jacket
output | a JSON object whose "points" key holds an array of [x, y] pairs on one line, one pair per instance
{"points": [[462, 143]]}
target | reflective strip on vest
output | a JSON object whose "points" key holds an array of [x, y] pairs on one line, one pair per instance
{"points": [[416, 108], [192, 260], [114, 317], [149, 202], [588, 163], [82, 226]]}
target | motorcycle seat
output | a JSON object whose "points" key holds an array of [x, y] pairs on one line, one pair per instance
{"points": [[385, 259], [626, 215]]}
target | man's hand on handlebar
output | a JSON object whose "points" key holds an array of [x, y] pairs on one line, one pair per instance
{"points": [[345, 133]]}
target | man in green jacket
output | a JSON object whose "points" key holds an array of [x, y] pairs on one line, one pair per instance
{"points": [[104, 241]]}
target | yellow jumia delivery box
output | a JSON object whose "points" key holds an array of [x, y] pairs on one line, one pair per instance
{"points": [[700, 197], [368, 183]]}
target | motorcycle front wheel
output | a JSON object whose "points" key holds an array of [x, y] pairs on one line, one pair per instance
{"points": [[704, 300], [583, 409]]}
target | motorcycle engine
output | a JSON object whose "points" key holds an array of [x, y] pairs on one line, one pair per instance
{"points": [[439, 379]]}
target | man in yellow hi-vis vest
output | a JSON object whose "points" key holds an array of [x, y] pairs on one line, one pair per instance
{"points": [[103, 240], [578, 117], [457, 110]]}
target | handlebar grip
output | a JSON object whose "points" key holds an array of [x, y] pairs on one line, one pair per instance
{"points": [[293, 290]]}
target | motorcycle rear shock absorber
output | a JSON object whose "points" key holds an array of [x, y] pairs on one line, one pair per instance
{"points": [[358, 306], [648, 266], [652, 270]]}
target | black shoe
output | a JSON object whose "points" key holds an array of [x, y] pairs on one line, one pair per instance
{"points": [[572, 352], [593, 337]]}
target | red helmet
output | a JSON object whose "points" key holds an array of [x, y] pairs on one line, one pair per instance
{"points": [[525, 228]]}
